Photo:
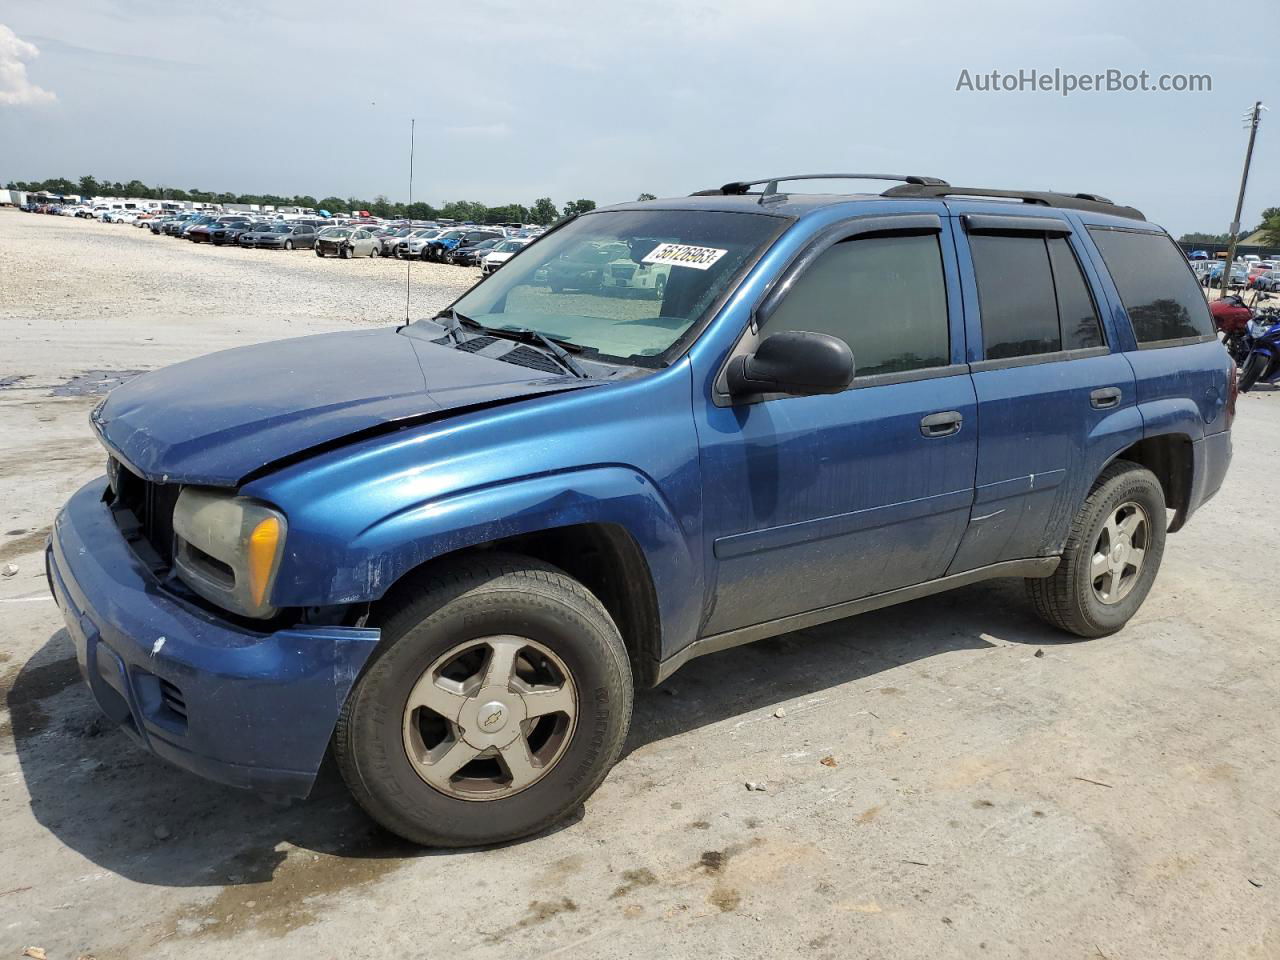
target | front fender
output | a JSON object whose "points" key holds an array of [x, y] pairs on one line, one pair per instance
{"points": [[392, 546]]}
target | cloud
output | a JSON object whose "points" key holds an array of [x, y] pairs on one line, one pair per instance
{"points": [[15, 88]]}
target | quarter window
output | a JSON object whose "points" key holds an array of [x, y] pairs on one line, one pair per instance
{"points": [[885, 296], [1159, 293], [1033, 296]]}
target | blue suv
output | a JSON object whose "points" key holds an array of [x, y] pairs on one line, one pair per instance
{"points": [[450, 550]]}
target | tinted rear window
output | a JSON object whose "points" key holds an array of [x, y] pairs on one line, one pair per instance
{"points": [[1159, 293], [1015, 295]]}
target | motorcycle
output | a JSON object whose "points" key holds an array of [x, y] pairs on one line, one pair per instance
{"points": [[1231, 316], [1262, 360]]}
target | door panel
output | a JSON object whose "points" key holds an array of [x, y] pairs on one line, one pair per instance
{"points": [[1048, 418], [812, 501]]}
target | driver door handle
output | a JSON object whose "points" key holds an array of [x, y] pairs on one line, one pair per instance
{"points": [[1104, 398], [941, 424]]}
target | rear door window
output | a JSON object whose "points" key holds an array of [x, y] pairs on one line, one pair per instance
{"points": [[1159, 293], [1015, 295], [1033, 296], [885, 296]]}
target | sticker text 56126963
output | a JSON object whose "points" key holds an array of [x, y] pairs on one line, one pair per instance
{"points": [[684, 255]]}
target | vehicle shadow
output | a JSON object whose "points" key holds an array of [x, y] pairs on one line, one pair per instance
{"points": [[136, 816]]}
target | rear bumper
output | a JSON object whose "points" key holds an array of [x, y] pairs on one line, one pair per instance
{"points": [[1211, 456], [247, 709]]}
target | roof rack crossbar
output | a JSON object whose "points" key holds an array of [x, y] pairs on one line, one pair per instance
{"points": [[1045, 198]]}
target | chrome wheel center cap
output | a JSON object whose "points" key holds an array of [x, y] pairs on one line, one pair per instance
{"points": [[492, 716]]}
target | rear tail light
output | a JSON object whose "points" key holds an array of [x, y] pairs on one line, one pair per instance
{"points": [[1233, 391]]}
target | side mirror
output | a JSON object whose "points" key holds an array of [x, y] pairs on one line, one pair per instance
{"points": [[793, 361]]}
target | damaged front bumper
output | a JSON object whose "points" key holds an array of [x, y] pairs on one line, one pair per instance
{"points": [[253, 710]]}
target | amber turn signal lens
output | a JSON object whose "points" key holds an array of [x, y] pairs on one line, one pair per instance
{"points": [[263, 543]]}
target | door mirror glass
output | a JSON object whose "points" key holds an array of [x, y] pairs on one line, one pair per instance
{"points": [[793, 361]]}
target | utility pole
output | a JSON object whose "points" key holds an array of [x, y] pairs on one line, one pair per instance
{"points": [[1252, 119]]}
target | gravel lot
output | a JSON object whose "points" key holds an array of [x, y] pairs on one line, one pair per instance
{"points": [[995, 790]]}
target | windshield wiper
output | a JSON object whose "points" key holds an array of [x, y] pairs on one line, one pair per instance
{"points": [[455, 321], [559, 352]]}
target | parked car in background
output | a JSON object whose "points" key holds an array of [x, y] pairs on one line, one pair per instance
{"points": [[390, 239], [415, 245], [627, 275], [183, 227], [228, 229], [280, 236], [346, 242], [470, 254], [502, 252], [450, 240], [203, 233]]}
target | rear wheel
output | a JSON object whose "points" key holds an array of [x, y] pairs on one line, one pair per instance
{"points": [[1255, 366], [1111, 557], [497, 701], [373, 251]]}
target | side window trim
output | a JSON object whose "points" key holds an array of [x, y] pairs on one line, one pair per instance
{"points": [[908, 223], [1088, 288]]}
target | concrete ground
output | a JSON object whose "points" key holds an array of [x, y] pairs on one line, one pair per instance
{"points": [[949, 779]]}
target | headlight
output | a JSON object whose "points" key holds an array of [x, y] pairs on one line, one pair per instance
{"points": [[228, 549], [1257, 328]]}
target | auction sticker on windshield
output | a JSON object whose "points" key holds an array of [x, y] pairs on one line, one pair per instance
{"points": [[683, 255]]}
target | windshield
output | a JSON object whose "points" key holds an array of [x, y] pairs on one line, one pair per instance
{"points": [[508, 246], [623, 284], [337, 233]]}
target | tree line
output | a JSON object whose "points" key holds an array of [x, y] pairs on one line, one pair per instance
{"points": [[1270, 228], [542, 210]]}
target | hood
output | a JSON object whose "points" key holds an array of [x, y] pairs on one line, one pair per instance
{"points": [[216, 419]]}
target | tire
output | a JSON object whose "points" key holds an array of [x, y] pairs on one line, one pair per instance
{"points": [[319, 253], [508, 599], [373, 252], [288, 244], [1068, 599], [1254, 368], [345, 253]]}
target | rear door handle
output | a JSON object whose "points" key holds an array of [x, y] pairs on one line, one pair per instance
{"points": [[1104, 398], [941, 424]]}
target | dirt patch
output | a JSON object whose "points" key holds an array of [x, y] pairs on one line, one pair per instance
{"points": [[24, 544], [540, 911], [26, 684], [94, 383], [289, 893], [634, 880]]}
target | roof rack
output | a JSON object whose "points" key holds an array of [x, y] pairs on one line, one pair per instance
{"points": [[1045, 198], [739, 187]]}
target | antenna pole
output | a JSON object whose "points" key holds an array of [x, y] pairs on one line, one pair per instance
{"points": [[408, 260]]}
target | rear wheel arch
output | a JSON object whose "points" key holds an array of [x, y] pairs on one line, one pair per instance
{"points": [[1169, 456]]}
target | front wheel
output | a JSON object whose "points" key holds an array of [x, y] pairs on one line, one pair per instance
{"points": [[496, 703], [1255, 366], [288, 244], [1111, 555], [319, 253]]}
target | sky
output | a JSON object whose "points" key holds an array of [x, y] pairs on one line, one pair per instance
{"points": [[519, 99]]}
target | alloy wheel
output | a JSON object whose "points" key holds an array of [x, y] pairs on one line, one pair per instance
{"points": [[490, 717], [1119, 552]]}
